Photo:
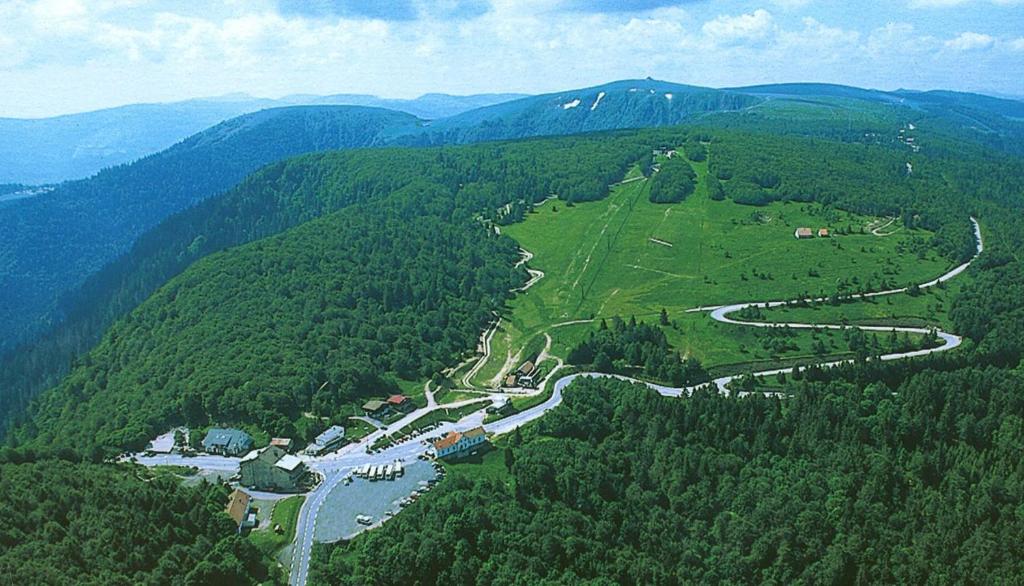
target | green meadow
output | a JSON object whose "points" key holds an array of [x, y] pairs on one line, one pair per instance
{"points": [[928, 309], [624, 256]]}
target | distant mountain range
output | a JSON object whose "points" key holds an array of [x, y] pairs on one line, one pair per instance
{"points": [[621, 104], [51, 242], [50, 150]]}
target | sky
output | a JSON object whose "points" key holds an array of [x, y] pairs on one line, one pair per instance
{"points": [[64, 56]]}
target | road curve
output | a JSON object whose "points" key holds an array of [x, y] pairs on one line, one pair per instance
{"points": [[721, 314], [332, 469]]}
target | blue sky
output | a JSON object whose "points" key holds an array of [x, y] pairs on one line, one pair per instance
{"points": [[61, 56]]}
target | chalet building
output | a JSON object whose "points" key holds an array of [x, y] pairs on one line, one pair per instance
{"points": [[240, 509], [332, 438], [376, 409], [803, 233], [456, 444], [823, 233], [400, 403], [526, 374], [510, 380], [227, 442], [272, 469]]}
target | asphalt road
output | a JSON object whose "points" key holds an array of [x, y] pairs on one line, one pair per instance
{"points": [[334, 467]]}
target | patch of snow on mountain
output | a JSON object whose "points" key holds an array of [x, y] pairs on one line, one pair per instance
{"points": [[593, 106], [668, 96], [571, 104]]}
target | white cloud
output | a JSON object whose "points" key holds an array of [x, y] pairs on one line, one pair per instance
{"points": [[118, 51], [970, 41], [728, 29]]}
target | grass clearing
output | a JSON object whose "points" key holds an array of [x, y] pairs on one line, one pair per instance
{"points": [[286, 514], [600, 261], [487, 465]]}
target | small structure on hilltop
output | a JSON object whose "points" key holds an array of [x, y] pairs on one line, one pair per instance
{"points": [[376, 409], [271, 468], [227, 441], [803, 233], [400, 403], [823, 233], [330, 439], [455, 444], [240, 509]]}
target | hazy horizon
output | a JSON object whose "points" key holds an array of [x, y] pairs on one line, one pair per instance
{"points": [[66, 56]]}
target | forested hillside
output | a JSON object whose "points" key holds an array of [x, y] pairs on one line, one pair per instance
{"points": [[74, 523], [939, 195], [623, 104], [843, 483], [98, 219], [395, 288]]}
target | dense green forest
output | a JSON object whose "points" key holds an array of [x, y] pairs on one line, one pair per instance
{"points": [[327, 311], [359, 268], [479, 181], [63, 522], [635, 348], [842, 483], [674, 181], [99, 218]]}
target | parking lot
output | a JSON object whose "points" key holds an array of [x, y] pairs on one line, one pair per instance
{"points": [[337, 518]]}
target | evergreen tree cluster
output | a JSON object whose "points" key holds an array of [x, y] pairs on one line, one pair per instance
{"points": [[634, 347], [674, 182], [841, 483], [65, 522]]}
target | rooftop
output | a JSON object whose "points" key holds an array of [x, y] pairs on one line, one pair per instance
{"points": [[373, 405], [238, 504], [397, 399], [330, 434], [449, 440], [289, 462], [227, 437]]}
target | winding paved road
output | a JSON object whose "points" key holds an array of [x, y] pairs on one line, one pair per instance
{"points": [[334, 467]]}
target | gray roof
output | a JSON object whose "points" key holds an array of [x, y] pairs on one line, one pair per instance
{"points": [[332, 433], [228, 439]]}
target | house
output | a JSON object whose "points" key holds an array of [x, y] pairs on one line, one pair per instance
{"points": [[330, 439], [822, 232], [272, 469], [455, 444], [376, 409], [285, 443], [400, 403], [510, 380], [803, 233], [526, 373], [226, 441], [240, 508]]}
